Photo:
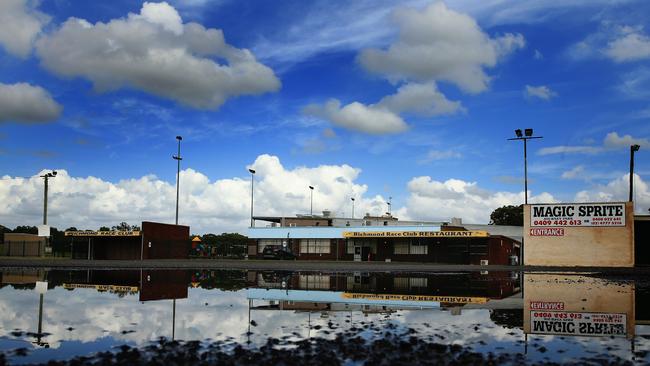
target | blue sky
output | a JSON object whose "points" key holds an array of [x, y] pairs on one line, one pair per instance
{"points": [[412, 100]]}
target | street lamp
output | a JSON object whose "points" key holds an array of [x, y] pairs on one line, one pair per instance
{"points": [[527, 135], [633, 149], [46, 176], [352, 199], [178, 173], [311, 201], [252, 171]]}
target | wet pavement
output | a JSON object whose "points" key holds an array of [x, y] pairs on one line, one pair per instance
{"points": [[198, 316]]}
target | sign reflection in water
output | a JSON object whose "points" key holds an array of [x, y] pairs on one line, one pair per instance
{"points": [[91, 311]]}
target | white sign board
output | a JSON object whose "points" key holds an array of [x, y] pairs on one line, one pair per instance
{"points": [[41, 287], [576, 215], [577, 324], [43, 230]]}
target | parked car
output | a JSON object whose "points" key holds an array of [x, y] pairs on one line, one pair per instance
{"points": [[277, 252]]}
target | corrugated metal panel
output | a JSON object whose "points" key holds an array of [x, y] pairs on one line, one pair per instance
{"points": [[325, 232]]}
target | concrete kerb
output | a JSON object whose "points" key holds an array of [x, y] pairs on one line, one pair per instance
{"points": [[323, 266]]}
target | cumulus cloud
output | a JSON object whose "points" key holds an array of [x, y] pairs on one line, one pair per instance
{"points": [[422, 99], [27, 103], [371, 119], [20, 24], [619, 43], [438, 43], [631, 47], [384, 116], [208, 206], [612, 141], [156, 52], [574, 173], [435, 200], [541, 92], [618, 190]]}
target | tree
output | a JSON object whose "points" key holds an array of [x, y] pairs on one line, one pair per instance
{"points": [[104, 228], [123, 226], [26, 229], [3, 230], [508, 215]]}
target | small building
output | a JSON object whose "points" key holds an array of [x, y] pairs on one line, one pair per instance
{"points": [[439, 244], [154, 241], [23, 245]]}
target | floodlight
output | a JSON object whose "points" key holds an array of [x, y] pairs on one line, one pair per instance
{"points": [[528, 132], [635, 147], [518, 133]]}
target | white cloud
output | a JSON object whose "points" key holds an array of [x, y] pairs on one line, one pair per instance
{"points": [[155, 52], [618, 190], [20, 24], [357, 116], [538, 55], [208, 206], [619, 43], [433, 155], [27, 103], [576, 172], [631, 47], [435, 200], [570, 150], [613, 140], [636, 83], [422, 99], [438, 43], [541, 92], [384, 116]]}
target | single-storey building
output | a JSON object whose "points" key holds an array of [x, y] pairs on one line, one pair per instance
{"points": [[440, 244], [154, 241], [23, 245]]}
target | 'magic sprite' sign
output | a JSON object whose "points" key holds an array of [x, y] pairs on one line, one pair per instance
{"points": [[577, 214]]}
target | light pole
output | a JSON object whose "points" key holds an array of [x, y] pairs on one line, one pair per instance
{"points": [[390, 200], [352, 199], [633, 149], [178, 173], [45, 177], [527, 135], [252, 171], [311, 201]]}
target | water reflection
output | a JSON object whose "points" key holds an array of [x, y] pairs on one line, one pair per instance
{"points": [[557, 317]]}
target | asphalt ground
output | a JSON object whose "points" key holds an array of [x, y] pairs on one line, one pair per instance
{"points": [[289, 265]]}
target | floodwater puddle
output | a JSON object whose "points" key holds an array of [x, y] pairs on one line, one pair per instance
{"points": [[315, 317]]}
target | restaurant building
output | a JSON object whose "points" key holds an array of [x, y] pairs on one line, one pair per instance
{"points": [[316, 238]]}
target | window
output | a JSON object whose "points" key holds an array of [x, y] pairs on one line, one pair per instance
{"points": [[315, 246], [264, 242], [350, 246], [401, 248], [314, 282], [410, 247], [417, 248]]}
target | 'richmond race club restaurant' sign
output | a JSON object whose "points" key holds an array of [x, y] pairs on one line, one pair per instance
{"points": [[415, 234], [552, 217]]}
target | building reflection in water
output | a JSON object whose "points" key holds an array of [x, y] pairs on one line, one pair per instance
{"points": [[542, 305], [579, 305]]}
